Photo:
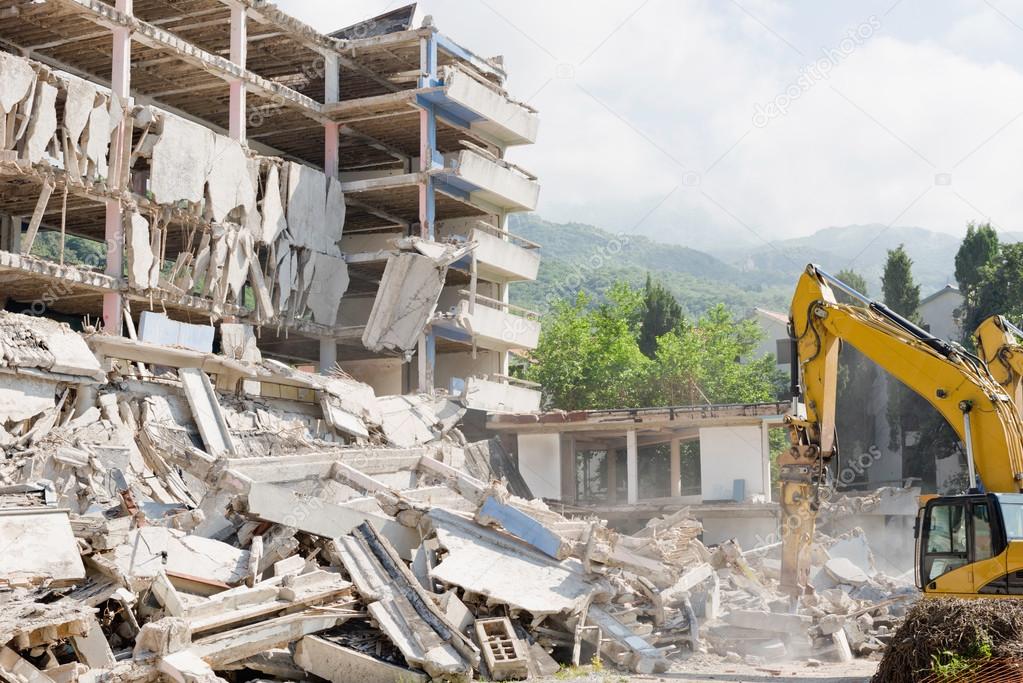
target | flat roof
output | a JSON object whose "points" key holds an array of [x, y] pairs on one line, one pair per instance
{"points": [[645, 419]]}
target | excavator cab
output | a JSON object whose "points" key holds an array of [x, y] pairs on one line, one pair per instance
{"points": [[970, 545]]}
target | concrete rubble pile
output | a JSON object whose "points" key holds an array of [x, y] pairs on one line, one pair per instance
{"points": [[852, 611], [172, 513], [190, 516]]}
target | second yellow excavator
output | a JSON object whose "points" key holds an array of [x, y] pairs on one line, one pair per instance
{"points": [[998, 344], [968, 545]]}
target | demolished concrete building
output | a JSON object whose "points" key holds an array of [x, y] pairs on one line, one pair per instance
{"points": [[220, 161], [198, 200]]}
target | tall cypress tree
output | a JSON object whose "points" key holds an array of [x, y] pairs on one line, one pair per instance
{"points": [[901, 294], [661, 313]]}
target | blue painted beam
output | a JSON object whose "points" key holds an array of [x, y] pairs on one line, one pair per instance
{"points": [[521, 525]]}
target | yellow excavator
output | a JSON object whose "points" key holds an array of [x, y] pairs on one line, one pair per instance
{"points": [[968, 545]]}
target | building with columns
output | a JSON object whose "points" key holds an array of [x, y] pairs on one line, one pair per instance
{"points": [[218, 160], [630, 465]]}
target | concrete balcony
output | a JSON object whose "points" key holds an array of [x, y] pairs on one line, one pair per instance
{"points": [[482, 108], [500, 256], [490, 323], [501, 394], [479, 178]]}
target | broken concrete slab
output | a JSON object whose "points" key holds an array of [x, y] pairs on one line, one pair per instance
{"points": [[340, 664], [180, 161], [43, 124], [17, 669], [493, 512], [47, 553], [404, 610], [200, 564], [202, 398], [157, 328], [17, 78], [842, 570], [772, 622], [23, 397], [507, 570], [320, 517], [405, 302]]}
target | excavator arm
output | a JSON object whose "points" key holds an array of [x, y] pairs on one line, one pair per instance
{"points": [[956, 383], [998, 345]]}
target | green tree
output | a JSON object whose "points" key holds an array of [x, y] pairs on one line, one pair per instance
{"points": [[909, 413], [589, 357], [979, 249], [1000, 289], [854, 280], [901, 294], [661, 314], [700, 363]]}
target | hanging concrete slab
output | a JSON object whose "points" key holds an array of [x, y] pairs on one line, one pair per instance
{"points": [[180, 161], [273, 223], [229, 183], [157, 328], [404, 303], [16, 80], [328, 285], [43, 124]]}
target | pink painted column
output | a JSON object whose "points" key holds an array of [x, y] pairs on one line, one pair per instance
{"points": [[239, 55], [120, 86], [331, 168]]}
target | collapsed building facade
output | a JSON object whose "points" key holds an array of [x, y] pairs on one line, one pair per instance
{"points": [[198, 198], [345, 195]]}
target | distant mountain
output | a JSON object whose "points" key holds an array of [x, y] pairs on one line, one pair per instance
{"points": [[862, 248], [580, 257]]}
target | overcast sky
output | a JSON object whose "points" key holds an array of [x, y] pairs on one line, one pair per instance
{"points": [[712, 121]]}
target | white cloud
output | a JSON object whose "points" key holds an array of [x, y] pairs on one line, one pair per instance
{"points": [[671, 87]]}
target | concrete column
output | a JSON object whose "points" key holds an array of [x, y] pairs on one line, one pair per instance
{"points": [[331, 93], [676, 468], [331, 142], [765, 448], [239, 55], [569, 474], [328, 355], [427, 361], [632, 466], [503, 357], [120, 87], [10, 234], [612, 475], [427, 199]]}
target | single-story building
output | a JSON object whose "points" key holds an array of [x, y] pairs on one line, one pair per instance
{"points": [[629, 465]]}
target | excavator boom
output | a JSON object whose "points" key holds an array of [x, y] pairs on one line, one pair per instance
{"points": [[956, 383]]}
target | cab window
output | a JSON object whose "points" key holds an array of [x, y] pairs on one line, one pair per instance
{"points": [[946, 540], [983, 547]]}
